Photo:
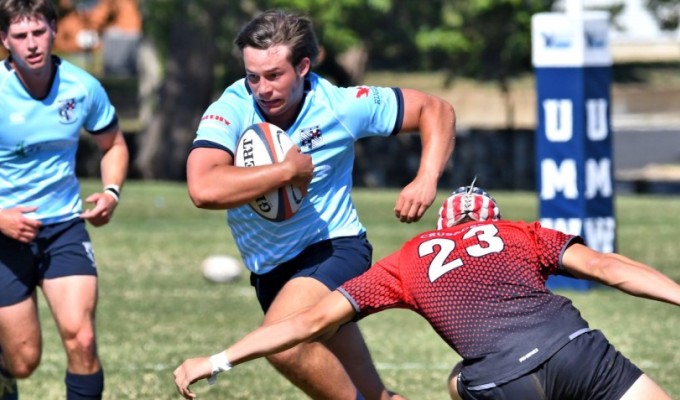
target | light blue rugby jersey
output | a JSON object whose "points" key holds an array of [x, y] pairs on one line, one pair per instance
{"points": [[39, 139], [330, 121]]}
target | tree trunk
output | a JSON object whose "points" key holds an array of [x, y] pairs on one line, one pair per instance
{"points": [[509, 104], [183, 95]]}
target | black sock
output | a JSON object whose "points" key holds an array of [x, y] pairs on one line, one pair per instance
{"points": [[84, 387]]}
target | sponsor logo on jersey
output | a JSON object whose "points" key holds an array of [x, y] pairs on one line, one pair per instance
{"points": [[216, 118], [376, 97], [17, 118], [310, 138], [362, 91], [67, 111]]}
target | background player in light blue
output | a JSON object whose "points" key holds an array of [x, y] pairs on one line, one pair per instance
{"points": [[44, 104], [296, 262]]}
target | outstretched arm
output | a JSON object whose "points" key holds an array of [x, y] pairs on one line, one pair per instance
{"points": [[435, 119], [315, 323], [620, 272]]}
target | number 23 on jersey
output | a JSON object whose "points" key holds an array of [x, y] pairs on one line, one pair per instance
{"points": [[487, 243]]}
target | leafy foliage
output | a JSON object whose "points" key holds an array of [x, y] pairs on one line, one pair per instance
{"points": [[666, 12], [480, 39], [199, 20], [487, 40]]}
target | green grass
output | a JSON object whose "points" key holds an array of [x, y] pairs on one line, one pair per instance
{"points": [[155, 308]]}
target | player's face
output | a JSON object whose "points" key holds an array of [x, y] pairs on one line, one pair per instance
{"points": [[30, 42], [277, 85]]}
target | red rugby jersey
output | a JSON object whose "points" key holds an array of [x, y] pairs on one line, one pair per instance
{"points": [[482, 288]]}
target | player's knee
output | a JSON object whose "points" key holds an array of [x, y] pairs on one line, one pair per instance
{"points": [[24, 364], [81, 346]]}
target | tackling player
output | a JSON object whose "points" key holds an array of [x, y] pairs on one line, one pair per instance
{"points": [[480, 282]]}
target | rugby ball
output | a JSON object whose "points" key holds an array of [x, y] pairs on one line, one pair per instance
{"points": [[263, 144], [221, 268]]}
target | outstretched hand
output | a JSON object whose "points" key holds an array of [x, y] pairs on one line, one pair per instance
{"points": [[191, 370]]}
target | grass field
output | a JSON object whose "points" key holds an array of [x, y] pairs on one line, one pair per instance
{"points": [[155, 308]]}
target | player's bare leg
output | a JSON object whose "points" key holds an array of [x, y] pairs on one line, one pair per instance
{"points": [[312, 367], [349, 347], [73, 300], [645, 388], [20, 337], [20, 344]]}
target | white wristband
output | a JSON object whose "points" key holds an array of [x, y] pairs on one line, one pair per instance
{"points": [[113, 191], [220, 363]]}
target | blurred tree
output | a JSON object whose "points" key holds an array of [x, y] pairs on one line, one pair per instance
{"points": [[486, 40], [666, 12], [193, 39]]}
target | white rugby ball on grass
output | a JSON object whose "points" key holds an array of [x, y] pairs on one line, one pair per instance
{"points": [[221, 268], [264, 144]]}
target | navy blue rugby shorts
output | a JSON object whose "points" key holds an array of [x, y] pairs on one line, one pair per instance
{"points": [[61, 249], [588, 367], [331, 262]]}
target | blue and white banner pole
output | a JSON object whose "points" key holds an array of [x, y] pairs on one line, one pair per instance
{"points": [[574, 158]]}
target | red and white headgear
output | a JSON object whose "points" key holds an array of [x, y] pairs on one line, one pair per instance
{"points": [[468, 201]]}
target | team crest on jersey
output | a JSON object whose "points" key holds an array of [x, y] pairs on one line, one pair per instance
{"points": [[310, 138], [67, 111]]}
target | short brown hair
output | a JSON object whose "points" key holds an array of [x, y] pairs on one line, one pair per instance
{"points": [[12, 9], [277, 27]]}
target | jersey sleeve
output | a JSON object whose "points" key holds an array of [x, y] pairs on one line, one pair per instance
{"points": [[101, 114], [550, 246], [377, 289], [370, 110], [224, 120]]}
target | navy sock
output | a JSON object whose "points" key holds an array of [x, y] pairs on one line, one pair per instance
{"points": [[8, 386], [84, 387]]}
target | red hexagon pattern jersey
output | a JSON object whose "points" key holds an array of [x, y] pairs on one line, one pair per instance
{"points": [[481, 286]]}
